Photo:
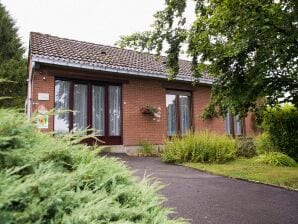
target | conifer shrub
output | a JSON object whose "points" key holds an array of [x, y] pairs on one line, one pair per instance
{"points": [[52, 180], [205, 147]]}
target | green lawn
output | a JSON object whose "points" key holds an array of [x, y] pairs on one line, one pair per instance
{"points": [[250, 170]]}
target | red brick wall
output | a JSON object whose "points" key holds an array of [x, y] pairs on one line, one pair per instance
{"points": [[201, 97], [44, 83], [136, 126], [139, 92]]}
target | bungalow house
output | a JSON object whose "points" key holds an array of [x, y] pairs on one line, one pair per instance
{"points": [[123, 95]]}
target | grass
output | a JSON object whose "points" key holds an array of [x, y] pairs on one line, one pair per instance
{"points": [[249, 169]]}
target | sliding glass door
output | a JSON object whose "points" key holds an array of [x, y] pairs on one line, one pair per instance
{"points": [[178, 112], [89, 105], [80, 107], [98, 110]]}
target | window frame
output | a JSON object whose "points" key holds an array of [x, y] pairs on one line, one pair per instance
{"points": [[232, 125], [177, 94], [108, 140]]}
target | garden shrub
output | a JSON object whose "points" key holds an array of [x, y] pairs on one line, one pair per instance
{"points": [[51, 180], [245, 147], [264, 144], [281, 123], [276, 159], [199, 147]]}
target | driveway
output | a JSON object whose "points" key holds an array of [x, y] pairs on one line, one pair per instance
{"points": [[206, 198]]}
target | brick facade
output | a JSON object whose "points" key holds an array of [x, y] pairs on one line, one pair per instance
{"points": [[136, 93]]}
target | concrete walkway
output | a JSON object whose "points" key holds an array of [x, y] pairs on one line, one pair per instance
{"points": [[205, 198]]}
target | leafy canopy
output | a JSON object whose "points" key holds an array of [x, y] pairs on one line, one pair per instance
{"points": [[249, 46], [12, 63]]}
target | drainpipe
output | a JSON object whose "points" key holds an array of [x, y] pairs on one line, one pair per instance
{"points": [[29, 93]]}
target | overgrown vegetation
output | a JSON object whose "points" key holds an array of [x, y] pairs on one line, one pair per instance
{"points": [[264, 144], [276, 159], [205, 147], [281, 124], [147, 148], [51, 180]]}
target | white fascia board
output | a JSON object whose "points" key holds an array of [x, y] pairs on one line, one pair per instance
{"points": [[114, 69]]}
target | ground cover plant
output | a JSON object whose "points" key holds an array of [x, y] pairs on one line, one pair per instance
{"points": [[205, 147], [52, 180]]}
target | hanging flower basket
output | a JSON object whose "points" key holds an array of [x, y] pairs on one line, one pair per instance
{"points": [[149, 110]]}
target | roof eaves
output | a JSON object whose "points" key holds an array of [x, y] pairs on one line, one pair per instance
{"points": [[110, 68]]}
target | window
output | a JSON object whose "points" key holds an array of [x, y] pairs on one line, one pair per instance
{"points": [[234, 125], [178, 112], [84, 104]]}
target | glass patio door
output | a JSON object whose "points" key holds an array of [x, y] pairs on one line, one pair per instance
{"points": [[89, 105], [80, 107]]}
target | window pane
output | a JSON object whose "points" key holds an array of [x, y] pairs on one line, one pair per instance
{"points": [[114, 110], [228, 124], [80, 107], [184, 114], [61, 120], [171, 114], [98, 112], [237, 125]]}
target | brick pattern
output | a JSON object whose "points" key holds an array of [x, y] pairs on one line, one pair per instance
{"points": [[136, 93], [44, 83], [201, 98], [137, 126]]}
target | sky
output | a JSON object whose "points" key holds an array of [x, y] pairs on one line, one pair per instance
{"points": [[96, 21]]}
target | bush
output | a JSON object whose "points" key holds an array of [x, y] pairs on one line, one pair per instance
{"points": [[50, 180], [264, 144], [245, 147], [200, 147], [282, 126], [147, 149], [276, 159]]}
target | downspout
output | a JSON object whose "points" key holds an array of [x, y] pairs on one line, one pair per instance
{"points": [[30, 89]]}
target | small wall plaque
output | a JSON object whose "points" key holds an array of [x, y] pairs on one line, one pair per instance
{"points": [[43, 96]]}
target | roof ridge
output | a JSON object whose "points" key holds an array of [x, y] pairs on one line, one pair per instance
{"points": [[103, 45]]}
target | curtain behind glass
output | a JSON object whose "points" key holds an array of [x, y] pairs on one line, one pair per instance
{"points": [[171, 114], [61, 119], [114, 110], [228, 124], [80, 107], [184, 114], [98, 110], [238, 125]]}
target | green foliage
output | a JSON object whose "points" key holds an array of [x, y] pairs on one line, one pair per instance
{"points": [[51, 180], [276, 159], [264, 144], [245, 147], [147, 149], [281, 124], [250, 47], [12, 64], [199, 147]]}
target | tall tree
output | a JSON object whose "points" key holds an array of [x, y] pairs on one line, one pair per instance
{"points": [[249, 46], [12, 63]]}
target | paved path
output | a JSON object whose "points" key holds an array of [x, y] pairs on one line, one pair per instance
{"points": [[206, 198]]}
